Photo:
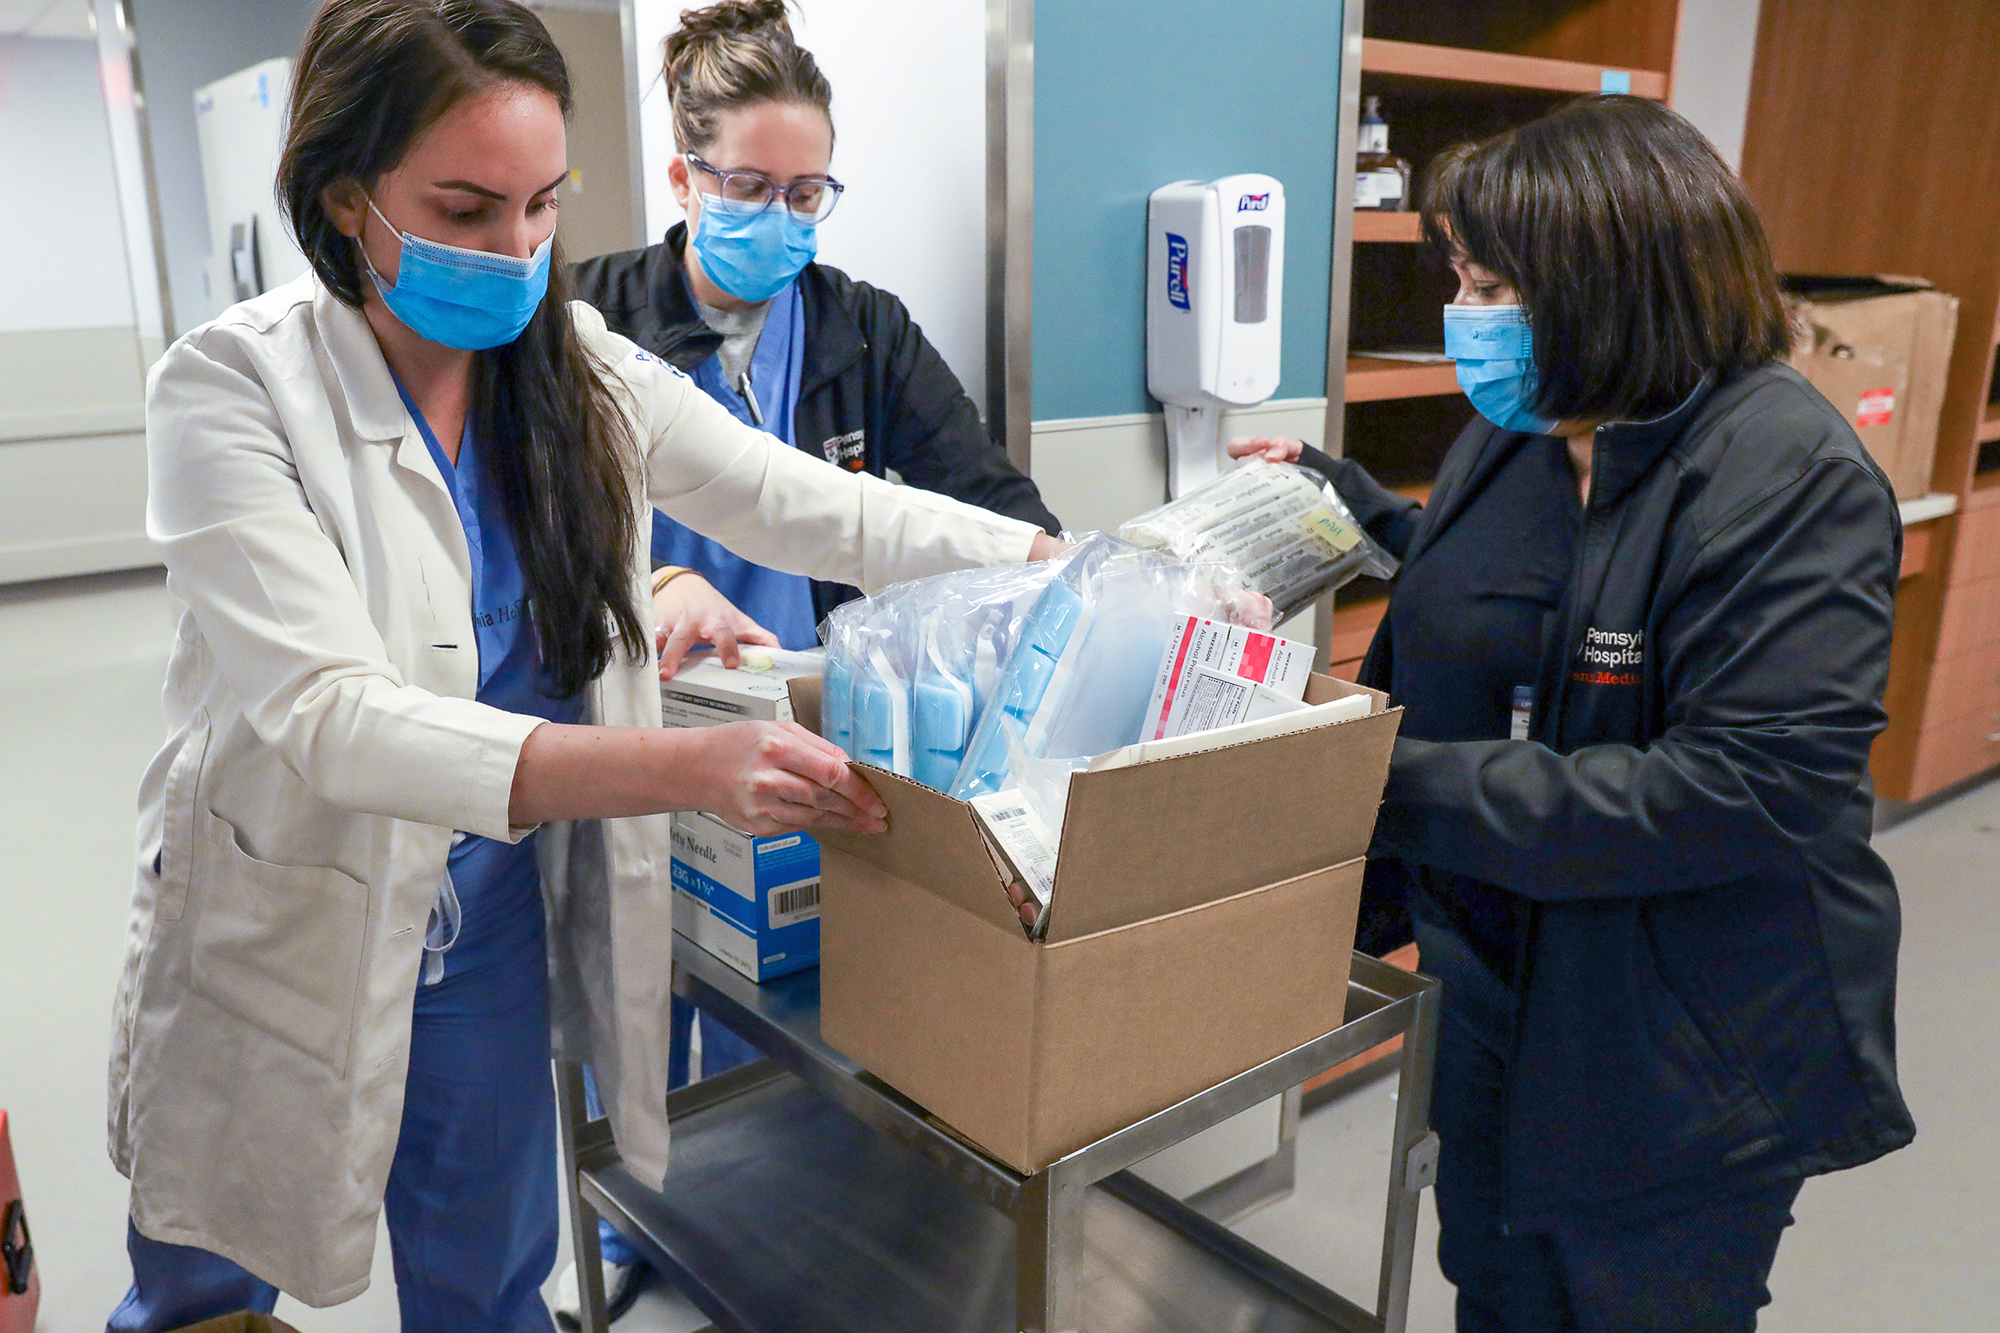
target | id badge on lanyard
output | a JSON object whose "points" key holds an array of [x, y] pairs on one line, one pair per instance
{"points": [[1522, 712]]}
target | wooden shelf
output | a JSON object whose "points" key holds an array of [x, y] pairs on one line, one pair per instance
{"points": [[1354, 627], [1373, 226], [1454, 65], [1989, 423], [1371, 379], [1926, 508]]}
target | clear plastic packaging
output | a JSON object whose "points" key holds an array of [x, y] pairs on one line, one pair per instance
{"points": [[836, 699], [1081, 672], [910, 670], [879, 661], [920, 677], [1276, 528]]}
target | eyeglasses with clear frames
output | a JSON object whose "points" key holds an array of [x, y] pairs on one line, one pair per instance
{"points": [[810, 200]]}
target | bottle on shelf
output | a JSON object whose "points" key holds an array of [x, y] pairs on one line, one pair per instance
{"points": [[1381, 179]]}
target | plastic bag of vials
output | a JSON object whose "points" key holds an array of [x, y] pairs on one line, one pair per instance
{"points": [[1276, 528]]}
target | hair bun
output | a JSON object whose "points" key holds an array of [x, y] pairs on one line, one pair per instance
{"points": [[725, 17], [735, 53]]}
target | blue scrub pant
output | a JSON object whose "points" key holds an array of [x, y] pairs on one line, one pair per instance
{"points": [[1699, 1271], [471, 1200]]}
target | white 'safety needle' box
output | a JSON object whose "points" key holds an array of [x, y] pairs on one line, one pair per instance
{"points": [[752, 902]]}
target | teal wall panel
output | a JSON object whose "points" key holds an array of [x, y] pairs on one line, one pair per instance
{"points": [[1131, 95]]}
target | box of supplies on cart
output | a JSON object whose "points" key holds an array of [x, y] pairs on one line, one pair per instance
{"points": [[1202, 923]]}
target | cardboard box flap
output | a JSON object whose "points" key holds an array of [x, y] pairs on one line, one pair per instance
{"points": [[1163, 836], [805, 692], [935, 843]]}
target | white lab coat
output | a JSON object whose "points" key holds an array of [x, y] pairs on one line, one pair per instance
{"points": [[324, 742]]}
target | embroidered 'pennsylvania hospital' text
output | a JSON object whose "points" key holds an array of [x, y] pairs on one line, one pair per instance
{"points": [[1608, 657]]}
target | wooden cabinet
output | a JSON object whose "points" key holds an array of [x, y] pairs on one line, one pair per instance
{"points": [[1958, 728], [1869, 148]]}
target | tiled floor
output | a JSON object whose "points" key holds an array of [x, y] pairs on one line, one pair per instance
{"points": [[1906, 1244]]}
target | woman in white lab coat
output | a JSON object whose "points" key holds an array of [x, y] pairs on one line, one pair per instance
{"points": [[404, 500]]}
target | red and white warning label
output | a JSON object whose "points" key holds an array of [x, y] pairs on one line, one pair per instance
{"points": [[1877, 406]]}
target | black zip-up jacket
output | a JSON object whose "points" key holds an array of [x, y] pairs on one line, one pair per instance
{"points": [[1707, 976], [874, 395]]}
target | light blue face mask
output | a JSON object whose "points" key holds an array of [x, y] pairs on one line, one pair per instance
{"points": [[468, 299], [752, 251], [1494, 350]]}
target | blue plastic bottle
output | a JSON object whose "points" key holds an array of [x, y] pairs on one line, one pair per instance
{"points": [[881, 714], [941, 716], [836, 702], [1024, 685]]}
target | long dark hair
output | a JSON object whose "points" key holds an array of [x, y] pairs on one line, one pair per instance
{"points": [[1639, 258], [372, 76]]}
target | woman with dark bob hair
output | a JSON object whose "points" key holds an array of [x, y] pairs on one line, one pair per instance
{"points": [[1640, 634], [408, 824]]}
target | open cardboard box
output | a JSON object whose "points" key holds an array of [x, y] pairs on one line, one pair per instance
{"points": [[1202, 923], [1879, 348]]}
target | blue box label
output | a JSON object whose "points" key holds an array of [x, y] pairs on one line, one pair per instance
{"points": [[764, 892]]}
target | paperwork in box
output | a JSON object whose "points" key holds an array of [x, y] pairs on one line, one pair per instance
{"points": [[1298, 716], [1024, 846], [1217, 675]]}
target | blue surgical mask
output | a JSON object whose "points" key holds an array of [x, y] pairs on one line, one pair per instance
{"points": [[1494, 349], [752, 251], [468, 299]]}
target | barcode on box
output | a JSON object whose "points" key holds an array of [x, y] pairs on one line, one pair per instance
{"points": [[794, 903], [1014, 812]]}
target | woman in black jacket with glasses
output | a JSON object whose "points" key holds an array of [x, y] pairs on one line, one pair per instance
{"points": [[831, 365]]}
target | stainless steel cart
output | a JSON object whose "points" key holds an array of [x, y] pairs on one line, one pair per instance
{"points": [[808, 1195]]}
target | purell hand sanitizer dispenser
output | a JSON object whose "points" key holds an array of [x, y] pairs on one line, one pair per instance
{"points": [[1215, 269]]}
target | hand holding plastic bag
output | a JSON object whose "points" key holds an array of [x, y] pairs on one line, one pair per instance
{"points": [[1276, 528]]}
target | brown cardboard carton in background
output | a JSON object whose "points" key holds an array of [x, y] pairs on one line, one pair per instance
{"points": [[1879, 349], [1203, 923]]}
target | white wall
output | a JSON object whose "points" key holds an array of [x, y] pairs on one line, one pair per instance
{"points": [[62, 247], [114, 72], [909, 108], [183, 44], [1714, 52]]}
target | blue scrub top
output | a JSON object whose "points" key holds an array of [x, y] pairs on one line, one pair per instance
{"points": [[499, 887], [782, 603]]}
